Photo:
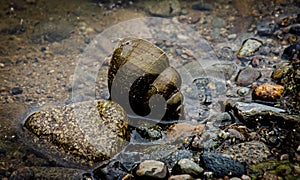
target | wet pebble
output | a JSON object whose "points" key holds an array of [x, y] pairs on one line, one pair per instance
{"points": [[254, 114], [222, 165], [202, 6], [245, 177], [231, 36], [175, 156], [266, 28], [227, 68], [243, 91], [52, 31], [186, 166], [249, 47], [180, 130], [113, 170], [208, 140], [291, 52], [280, 72], [16, 91], [219, 22], [225, 53], [286, 21], [295, 29], [247, 76], [162, 8], [150, 133], [151, 169], [181, 177], [268, 92]]}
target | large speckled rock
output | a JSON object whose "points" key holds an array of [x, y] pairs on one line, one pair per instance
{"points": [[222, 165], [86, 132], [250, 152]]}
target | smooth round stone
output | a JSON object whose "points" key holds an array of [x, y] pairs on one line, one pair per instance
{"points": [[247, 76], [181, 177], [151, 169], [186, 166], [243, 91]]}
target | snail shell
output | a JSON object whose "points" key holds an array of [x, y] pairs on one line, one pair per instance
{"points": [[139, 71]]}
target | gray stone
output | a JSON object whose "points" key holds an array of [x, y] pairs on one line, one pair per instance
{"points": [[151, 169], [186, 166], [52, 31], [181, 177], [253, 114], [222, 165], [249, 47], [247, 76], [207, 141], [150, 133], [232, 36], [137, 152], [266, 28], [202, 6], [165, 8], [114, 170], [245, 177], [243, 91], [175, 156], [227, 68], [218, 22], [16, 91]]}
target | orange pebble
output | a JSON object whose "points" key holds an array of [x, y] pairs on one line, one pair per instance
{"points": [[269, 92]]}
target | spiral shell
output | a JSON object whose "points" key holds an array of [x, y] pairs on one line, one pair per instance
{"points": [[139, 71]]}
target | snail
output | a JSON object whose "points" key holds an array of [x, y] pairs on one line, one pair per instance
{"points": [[139, 71]]}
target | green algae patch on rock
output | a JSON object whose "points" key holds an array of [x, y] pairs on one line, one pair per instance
{"points": [[275, 169], [85, 132]]}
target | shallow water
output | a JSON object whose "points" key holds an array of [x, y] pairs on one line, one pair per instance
{"points": [[46, 44]]}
